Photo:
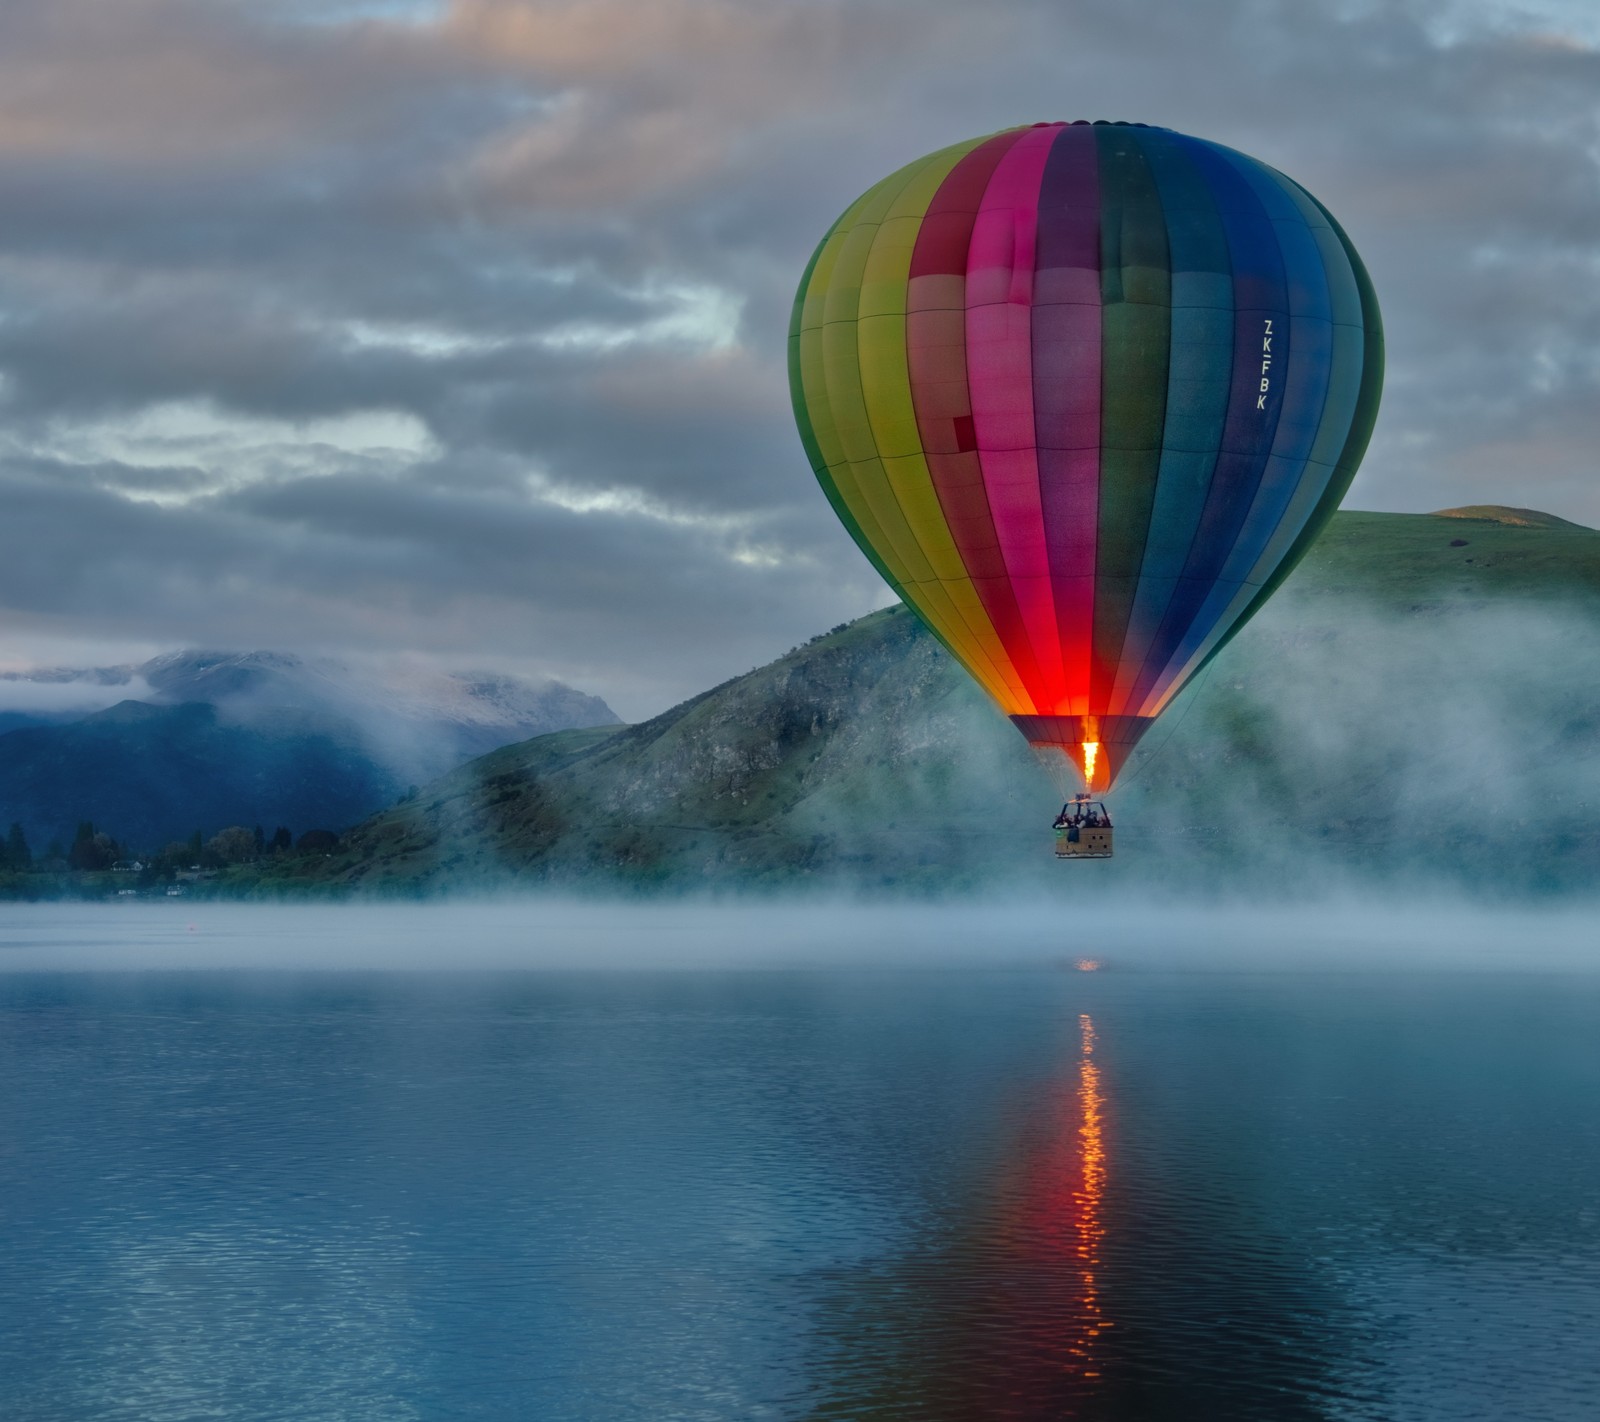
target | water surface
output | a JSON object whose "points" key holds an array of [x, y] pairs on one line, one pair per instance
{"points": [[953, 1193]]}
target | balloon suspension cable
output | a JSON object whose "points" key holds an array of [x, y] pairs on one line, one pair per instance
{"points": [[1192, 692]]}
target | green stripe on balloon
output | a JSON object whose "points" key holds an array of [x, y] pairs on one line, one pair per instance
{"points": [[1136, 292]]}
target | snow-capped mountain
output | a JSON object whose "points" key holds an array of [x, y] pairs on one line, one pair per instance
{"points": [[251, 738], [451, 715]]}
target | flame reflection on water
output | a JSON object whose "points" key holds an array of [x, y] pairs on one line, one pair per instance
{"points": [[1089, 1197], [1060, 1245]]}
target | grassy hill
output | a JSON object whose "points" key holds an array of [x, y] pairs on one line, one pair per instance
{"points": [[1417, 705], [1458, 557]]}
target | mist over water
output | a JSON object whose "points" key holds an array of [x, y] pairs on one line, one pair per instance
{"points": [[1127, 932]]}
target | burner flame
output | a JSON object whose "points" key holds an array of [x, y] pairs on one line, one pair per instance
{"points": [[1091, 754]]}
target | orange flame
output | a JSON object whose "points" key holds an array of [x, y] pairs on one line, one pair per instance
{"points": [[1091, 753]]}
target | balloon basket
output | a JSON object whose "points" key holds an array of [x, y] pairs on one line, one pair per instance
{"points": [[1083, 830]]}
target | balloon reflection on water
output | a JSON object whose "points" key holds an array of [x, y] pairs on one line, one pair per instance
{"points": [[1007, 1315]]}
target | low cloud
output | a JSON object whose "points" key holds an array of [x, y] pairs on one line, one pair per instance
{"points": [[34, 695]]}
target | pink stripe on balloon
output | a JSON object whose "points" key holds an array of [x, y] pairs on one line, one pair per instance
{"points": [[999, 301], [1066, 392]]}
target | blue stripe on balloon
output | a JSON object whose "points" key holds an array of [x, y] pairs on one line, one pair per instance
{"points": [[1198, 384], [1345, 360], [1283, 504], [1260, 295], [1305, 377]]}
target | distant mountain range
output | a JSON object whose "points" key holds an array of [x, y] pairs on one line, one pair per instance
{"points": [[1415, 708], [202, 740]]}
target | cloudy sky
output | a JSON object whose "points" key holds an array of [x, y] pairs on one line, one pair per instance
{"points": [[456, 329]]}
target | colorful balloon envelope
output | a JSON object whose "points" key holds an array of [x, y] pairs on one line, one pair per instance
{"points": [[1085, 394]]}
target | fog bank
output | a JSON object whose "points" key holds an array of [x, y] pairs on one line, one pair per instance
{"points": [[554, 935]]}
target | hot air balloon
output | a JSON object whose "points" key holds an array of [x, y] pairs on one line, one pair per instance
{"points": [[1084, 394]]}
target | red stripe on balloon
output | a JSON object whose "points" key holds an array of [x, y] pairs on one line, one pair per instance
{"points": [[936, 352], [999, 330]]}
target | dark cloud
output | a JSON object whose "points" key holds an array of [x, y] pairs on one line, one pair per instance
{"points": [[459, 327]]}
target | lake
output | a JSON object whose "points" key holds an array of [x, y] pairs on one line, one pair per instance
{"points": [[737, 1163]]}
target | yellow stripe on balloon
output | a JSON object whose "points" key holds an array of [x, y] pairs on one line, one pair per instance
{"points": [[886, 392], [813, 381], [848, 444]]}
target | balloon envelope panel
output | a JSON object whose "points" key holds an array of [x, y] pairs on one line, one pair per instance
{"points": [[1084, 394]]}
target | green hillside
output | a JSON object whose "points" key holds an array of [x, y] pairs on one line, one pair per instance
{"points": [[1502, 513], [1454, 557], [1417, 704]]}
